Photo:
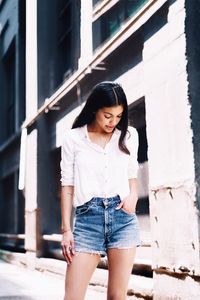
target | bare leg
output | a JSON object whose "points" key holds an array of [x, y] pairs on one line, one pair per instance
{"points": [[120, 262], [78, 275]]}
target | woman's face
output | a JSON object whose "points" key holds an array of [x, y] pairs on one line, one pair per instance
{"points": [[107, 118]]}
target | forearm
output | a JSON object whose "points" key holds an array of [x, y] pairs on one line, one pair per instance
{"points": [[66, 207], [133, 185]]}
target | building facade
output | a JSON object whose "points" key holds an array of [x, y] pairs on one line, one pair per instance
{"points": [[151, 48], [12, 114]]}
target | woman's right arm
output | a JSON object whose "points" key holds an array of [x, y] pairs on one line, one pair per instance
{"points": [[67, 192], [67, 243]]}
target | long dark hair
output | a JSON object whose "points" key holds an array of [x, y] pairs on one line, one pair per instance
{"points": [[105, 94]]}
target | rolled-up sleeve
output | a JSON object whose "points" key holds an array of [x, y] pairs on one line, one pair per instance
{"points": [[67, 161], [133, 143]]}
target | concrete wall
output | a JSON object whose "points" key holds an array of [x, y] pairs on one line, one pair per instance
{"points": [[192, 27], [178, 287], [174, 216]]}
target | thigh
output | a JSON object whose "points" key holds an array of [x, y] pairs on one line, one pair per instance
{"points": [[78, 275], [120, 264]]}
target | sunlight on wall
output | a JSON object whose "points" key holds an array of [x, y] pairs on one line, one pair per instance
{"points": [[64, 124]]}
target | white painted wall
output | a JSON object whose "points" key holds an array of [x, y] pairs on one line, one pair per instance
{"points": [[183, 288], [174, 224], [66, 123], [31, 58], [31, 212], [132, 83], [86, 33], [168, 111]]}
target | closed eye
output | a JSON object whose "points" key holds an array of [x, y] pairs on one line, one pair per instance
{"points": [[108, 117]]}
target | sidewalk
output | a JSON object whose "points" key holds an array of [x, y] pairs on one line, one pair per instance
{"points": [[47, 281], [22, 284]]}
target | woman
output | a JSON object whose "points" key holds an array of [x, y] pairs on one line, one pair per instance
{"points": [[98, 175]]}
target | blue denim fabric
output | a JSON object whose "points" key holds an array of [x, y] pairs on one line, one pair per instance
{"points": [[99, 226]]}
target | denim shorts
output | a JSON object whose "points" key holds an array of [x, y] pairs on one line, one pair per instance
{"points": [[99, 226]]}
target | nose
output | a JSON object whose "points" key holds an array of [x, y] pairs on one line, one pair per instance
{"points": [[114, 122]]}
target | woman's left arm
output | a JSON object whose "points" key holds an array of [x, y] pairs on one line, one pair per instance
{"points": [[129, 202]]}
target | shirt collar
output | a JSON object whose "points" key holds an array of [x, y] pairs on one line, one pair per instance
{"points": [[84, 130]]}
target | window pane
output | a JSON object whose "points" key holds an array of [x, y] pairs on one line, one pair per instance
{"points": [[132, 7], [110, 22], [9, 91], [95, 2]]}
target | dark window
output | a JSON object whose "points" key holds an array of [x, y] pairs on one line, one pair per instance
{"points": [[1, 4], [8, 210], [12, 206], [20, 213], [58, 44], [65, 37], [95, 2], [138, 120], [21, 66], [137, 115], [110, 22], [8, 91]]}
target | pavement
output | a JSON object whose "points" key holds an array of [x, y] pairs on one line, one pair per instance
{"points": [[22, 284], [46, 281]]}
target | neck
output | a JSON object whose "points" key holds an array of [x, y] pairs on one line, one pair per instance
{"points": [[95, 128]]}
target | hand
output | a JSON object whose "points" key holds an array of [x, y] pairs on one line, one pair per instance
{"points": [[128, 204], [67, 245]]}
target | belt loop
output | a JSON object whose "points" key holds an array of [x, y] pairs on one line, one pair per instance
{"points": [[105, 202]]}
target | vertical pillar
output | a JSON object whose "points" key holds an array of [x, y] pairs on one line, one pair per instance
{"points": [[17, 83], [31, 58], [31, 207], [32, 236], [15, 203], [86, 33], [174, 226]]}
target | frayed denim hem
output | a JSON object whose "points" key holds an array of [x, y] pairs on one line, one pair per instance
{"points": [[118, 246], [77, 251]]}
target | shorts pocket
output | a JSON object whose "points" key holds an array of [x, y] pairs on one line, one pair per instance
{"points": [[127, 213], [82, 210]]}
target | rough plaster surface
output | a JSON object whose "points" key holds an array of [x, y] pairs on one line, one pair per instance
{"points": [[192, 26], [183, 289], [174, 230], [174, 217]]}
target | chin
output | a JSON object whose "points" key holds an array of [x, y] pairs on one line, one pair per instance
{"points": [[109, 129]]}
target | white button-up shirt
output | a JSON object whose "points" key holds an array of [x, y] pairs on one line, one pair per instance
{"points": [[95, 171]]}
